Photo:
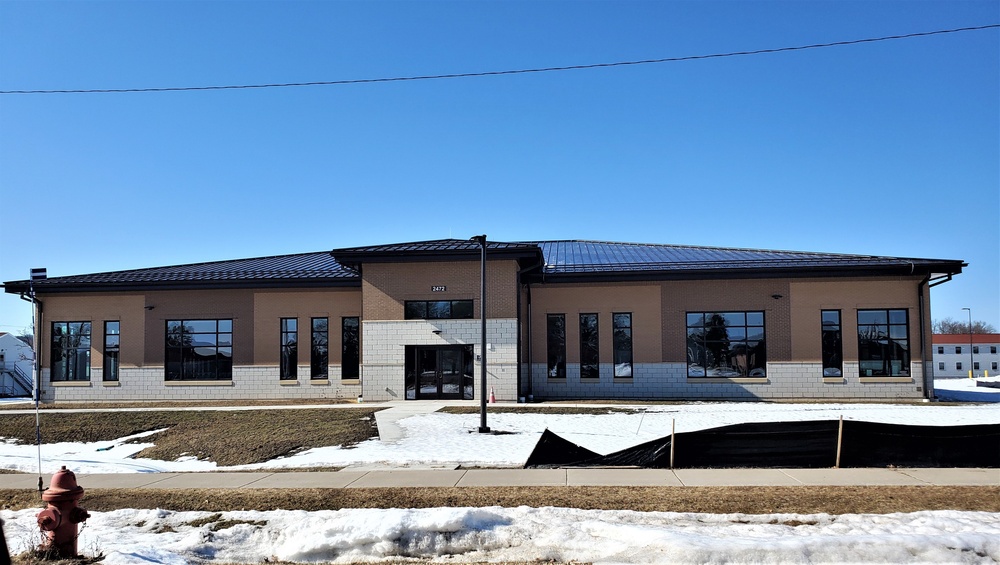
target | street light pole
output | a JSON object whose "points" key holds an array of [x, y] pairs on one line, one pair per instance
{"points": [[972, 361], [483, 428]]}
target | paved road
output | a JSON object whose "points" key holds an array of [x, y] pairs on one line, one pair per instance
{"points": [[525, 477]]}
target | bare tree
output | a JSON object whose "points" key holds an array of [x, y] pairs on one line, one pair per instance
{"points": [[952, 326]]}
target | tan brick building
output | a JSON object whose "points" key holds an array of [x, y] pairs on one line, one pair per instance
{"points": [[565, 319]]}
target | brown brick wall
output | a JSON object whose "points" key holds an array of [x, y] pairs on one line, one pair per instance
{"points": [[680, 297], [642, 300], [386, 286], [809, 297], [126, 308], [271, 306]]}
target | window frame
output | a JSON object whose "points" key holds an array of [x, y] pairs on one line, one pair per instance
{"points": [[288, 349], [181, 354], [319, 351], [71, 372], [699, 350], [590, 353], [350, 348], [621, 346], [832, 345], [111, 361], [468, 309], [885, 342], [555, 346]]}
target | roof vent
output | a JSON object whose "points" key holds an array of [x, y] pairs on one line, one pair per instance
{"points": [[39, 274]]}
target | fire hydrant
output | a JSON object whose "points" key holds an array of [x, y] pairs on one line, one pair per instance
{"points": [[62, 515]]}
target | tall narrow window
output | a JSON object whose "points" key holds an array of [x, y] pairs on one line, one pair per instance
{"points": [[556, 345], [289, 369], [726, 344], [958, 349], [941, 366], [350, 364], [958, 366], [975, 366], [940, 350], [975, 349], [199, 350], [70, 351], [621, 326], [833, 344], [112, 345], [589, 347], [993, 350], [883, 343], [320, 357]]}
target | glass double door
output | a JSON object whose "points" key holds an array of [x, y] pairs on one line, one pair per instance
{"points": [[439, 372]]}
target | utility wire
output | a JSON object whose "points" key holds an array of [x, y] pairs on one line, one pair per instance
{"points": [[510, 72]]}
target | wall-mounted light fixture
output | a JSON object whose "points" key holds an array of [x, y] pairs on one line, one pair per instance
{"points": [[436, 332], [150, 307], [776, 296]]}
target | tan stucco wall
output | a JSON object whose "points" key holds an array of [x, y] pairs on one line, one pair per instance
{"points": [[236, 305], [387, 286], [642, 300], [271, 306], [848, 296]]}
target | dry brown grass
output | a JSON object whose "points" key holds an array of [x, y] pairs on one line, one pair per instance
{"points": [[226, 437], [717, 500]]}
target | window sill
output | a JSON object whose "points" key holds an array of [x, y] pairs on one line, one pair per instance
{"points": [[624, 380], [198, 383], [833, 380], [742, 380], [70, 383], [319, 382], [887, 379], [351, 382], [288, 382], [111, 383], [590, 380]]}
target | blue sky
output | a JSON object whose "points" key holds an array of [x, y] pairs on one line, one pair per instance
{"points": [[889, 148]]}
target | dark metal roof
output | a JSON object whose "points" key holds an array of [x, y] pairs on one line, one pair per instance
{"points": [[571, 260], [305, 269], [611, 257]]}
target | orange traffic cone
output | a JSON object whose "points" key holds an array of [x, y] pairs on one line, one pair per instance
{"points": [[493, 397]]}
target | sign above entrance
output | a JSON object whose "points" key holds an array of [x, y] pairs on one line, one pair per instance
{"points": [[441, 288]]}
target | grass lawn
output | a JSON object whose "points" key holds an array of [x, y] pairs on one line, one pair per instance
{"points": [[252, 436], [226, 437]]}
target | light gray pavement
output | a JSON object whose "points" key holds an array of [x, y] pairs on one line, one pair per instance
{"points": [[524, 477]]}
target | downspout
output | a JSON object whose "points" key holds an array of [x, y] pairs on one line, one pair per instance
{"points": [[529, 393], [928, 382]]}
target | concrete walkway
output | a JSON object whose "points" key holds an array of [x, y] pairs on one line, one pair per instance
{"points": [[526, 477]]}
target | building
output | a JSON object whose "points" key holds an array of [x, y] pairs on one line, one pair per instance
{"points": [[16, 365], [566, 319], [952, 356]]}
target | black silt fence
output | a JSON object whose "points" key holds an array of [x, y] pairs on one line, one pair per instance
{"points": [[791, 444]]}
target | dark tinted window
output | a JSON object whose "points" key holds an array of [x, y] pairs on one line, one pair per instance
{"points": [[199, 350], [589, 347], [556, 345]]}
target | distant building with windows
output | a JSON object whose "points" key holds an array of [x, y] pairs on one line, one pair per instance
{"points": [[566, 320], [955, 354]]}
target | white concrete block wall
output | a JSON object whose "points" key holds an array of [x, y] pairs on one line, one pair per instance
{"points": [[248, 383], [670, 381], [384, 353]]}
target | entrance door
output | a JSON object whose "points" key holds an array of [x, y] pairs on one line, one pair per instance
{"points": [[440, 372]]}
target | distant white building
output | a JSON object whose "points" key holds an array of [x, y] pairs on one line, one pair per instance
{"points": [[954, 355], [16, 360]]}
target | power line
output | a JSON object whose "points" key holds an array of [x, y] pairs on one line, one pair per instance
{"points": [[510, 72]]}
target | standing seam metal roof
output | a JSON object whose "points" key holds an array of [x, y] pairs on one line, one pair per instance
{"points": [[560, 257]]}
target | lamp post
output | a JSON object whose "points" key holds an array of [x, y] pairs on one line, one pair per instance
{"points": [[972, 362], [483, 428]]}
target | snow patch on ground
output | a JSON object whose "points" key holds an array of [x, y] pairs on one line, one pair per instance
{"points": [[457, 535]]}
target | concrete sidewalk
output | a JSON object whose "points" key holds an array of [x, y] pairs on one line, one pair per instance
{"points": [[525, 477]]}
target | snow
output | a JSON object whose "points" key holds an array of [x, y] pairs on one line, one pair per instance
{"points": [[134, 536], [968, 390], [458, 535], [437, 439]]}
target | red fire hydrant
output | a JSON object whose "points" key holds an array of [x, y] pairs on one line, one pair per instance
{"points": [[61, 517]]}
